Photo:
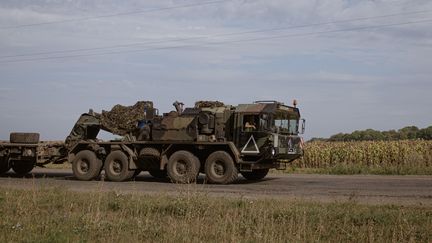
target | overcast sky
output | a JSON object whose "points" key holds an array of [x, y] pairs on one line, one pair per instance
{"points": [[345, 75]]}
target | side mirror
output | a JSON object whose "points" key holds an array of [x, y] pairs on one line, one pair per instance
{"points": [[303, 126]]}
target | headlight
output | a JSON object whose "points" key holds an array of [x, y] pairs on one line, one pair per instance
{"points": [[273, 151]]}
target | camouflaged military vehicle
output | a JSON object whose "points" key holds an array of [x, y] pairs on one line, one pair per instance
{"points": [[218, 140]]}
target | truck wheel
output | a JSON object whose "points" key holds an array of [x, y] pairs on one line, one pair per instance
{"points": [[24, 137], [183, 167], [86, 166], [255, 175], [117, 167], [22, 168], [220, 168], [160, 174], [4, 165]]}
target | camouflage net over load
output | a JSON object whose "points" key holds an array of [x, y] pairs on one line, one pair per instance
{"points": [[208, 104], [122, 120]]}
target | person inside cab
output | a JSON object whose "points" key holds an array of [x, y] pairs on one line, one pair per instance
{"points": [[249, 125]]}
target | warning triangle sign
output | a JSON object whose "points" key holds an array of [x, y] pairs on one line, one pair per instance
{"points": [[251, 147]]}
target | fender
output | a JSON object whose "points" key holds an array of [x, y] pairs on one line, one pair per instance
{"points": [[131, 155]]}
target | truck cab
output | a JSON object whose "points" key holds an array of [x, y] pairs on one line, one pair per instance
{"points": [[267, 133]]}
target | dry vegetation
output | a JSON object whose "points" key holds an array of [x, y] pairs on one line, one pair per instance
{"points": [[58, 215], [379, 157]]}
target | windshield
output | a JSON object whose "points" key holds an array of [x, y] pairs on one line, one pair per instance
{"points": [[282, 122], [286, 123]]}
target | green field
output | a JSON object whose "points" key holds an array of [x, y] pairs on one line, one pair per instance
{"points": [[58, 215], [408, 157]]}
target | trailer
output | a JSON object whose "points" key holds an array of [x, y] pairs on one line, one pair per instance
{"points": [[24, 151], [218, 140]]}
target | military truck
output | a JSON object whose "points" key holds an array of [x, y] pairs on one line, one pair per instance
{"points": [[218, 140]]}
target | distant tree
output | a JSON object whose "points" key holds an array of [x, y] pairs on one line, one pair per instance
{"points": [[390, 135], [425, 133], [408, 132], [355, 136], [338, 137], [371, 135], [317, 140]]}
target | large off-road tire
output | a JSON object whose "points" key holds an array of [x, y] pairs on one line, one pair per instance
{"points": [[86, 166], [160, 174], [255, 175], [220, 168], [183, 167], [22, 168], [4, 165], [117, 167], [24, 137]]}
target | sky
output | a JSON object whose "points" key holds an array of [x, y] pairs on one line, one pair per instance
{"points": [[350, 64]]}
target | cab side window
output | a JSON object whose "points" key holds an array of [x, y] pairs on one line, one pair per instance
{"points": [[250, 123]]}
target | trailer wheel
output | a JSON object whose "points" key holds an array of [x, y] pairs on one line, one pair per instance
{"points": [[86, 166], [183, 167], [24, 137], [22, 168], [160, 174], [220, 168], [117, 167], [255, 175], [4, 165]]}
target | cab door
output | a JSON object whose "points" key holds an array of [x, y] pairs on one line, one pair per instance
{"points": [[252, 135]]}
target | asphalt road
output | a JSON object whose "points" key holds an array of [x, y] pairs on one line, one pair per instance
{"points": [[370, 189]]}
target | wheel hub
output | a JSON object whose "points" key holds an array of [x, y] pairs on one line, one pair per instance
{"points": [[219, 169], [116, 167], [84, 166], [181, 167]]}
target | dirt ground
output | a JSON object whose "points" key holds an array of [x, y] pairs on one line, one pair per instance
{"points": [[369, 189]]}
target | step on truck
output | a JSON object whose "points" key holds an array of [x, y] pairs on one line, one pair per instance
{"points": [[221, 141]]}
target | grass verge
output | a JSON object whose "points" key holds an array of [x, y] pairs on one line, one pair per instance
{"points": [[58, 215]]}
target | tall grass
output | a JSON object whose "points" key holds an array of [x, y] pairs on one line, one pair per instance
{"points": [[58, 215], [382, 157]]}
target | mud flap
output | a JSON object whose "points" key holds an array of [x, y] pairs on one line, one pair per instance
{"points": [[131, 156], [163, 162]]}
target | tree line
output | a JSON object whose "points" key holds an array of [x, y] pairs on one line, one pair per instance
{"points": [[406, 133]]}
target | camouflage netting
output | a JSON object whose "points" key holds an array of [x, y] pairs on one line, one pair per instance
{"points": [[123, 119], [206, 104]]}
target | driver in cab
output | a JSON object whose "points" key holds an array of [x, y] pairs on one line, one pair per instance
{"points": [[249, 126]]}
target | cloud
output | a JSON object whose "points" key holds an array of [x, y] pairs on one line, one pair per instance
{"points": [[373, 72]]}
